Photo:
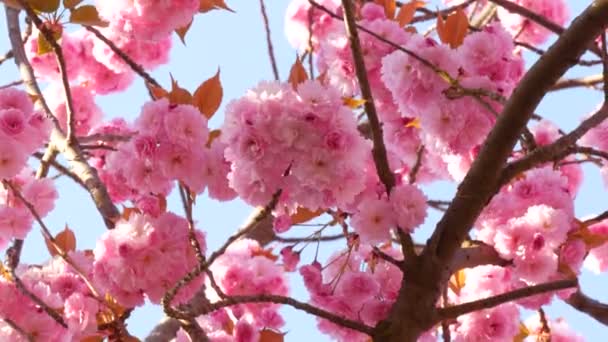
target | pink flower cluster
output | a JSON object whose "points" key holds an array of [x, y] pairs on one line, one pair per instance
{"points": [[528, 221], [167, 143], [15, 218], [453, 126], [375, 216], [60, 287], [22, 131], [354, 284], [297, 23], [245, 269], [304, 142], [147, 20], [133, 259], [522, 28]]}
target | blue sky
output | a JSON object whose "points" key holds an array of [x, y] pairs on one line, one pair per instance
{"points": [[235, 42]]}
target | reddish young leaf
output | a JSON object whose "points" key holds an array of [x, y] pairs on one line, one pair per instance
{"points": [[208, 96], [45, 6], [453, 29], [179, 95], [214, 134], [182, 31], [407, 11], [267, 335], [390, 7], [71, 3], [208, 5], [86, 15], [65, 241], [304, 215], [297, 74]]}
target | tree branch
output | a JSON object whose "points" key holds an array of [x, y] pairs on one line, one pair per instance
{"points": [[266, 298], [453, 312], [597, 310], [72, 152], [413, 312], [379, 150], [273, 61]]}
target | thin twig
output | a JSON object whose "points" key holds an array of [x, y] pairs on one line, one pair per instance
{"points": [[18, 329], [273, 61], [138, 69]]}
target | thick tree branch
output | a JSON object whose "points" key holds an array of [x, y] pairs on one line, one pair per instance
{"points": [[379, 150], [453, 312], [413, 312], [597, 310], [72, 152]]}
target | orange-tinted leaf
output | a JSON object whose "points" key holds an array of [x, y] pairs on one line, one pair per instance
{"points": [[390, 6], [127, 212], [71, 3], [407, 11], [297, 74], [208, 96], [179, 95], [267, 335], [208, 5], [5, 273], [46, 6], [86, 15], [44, 46], [92, 339], [352, 102], [457, 281], [590, 239], [304, 215], [523, 333], [415, 122], [65, 241], [181, 32], [266, 253], [212, 136], [453, 29], [158, 92]]}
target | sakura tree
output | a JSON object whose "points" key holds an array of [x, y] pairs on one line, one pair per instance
{"points": [[384, 101]]}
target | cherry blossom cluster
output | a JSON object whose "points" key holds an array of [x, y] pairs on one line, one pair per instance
{"points": [[140, 29], [376, 214], [523, 29], [167, 143], [61, 288], [354, 284], [131, 261], [453, 125], [417, 104], [22, 131], [500, 323], [244, 269], [16, 218], [298, 141]]}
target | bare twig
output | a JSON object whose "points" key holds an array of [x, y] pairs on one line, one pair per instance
{"points": [[587, 81], [273, 61], [138, 69], [18, 329]]}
